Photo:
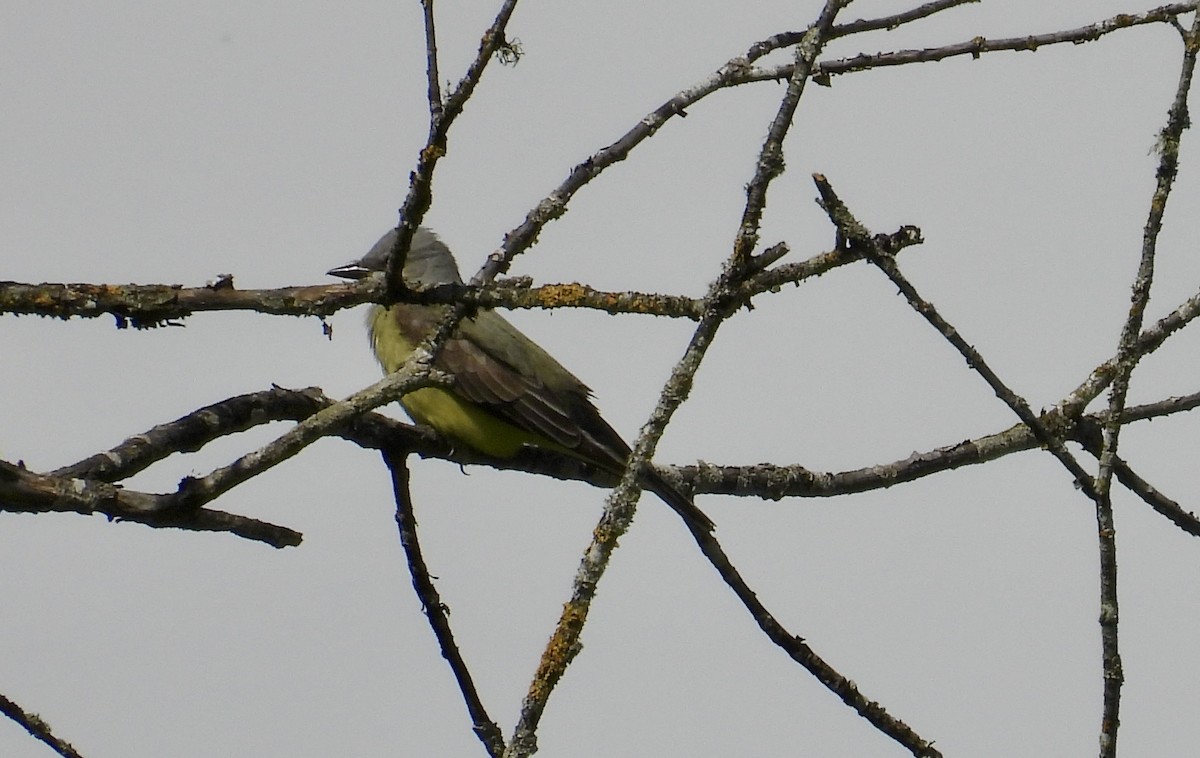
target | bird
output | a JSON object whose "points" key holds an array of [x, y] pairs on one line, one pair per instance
{"points": [[508, 392]]}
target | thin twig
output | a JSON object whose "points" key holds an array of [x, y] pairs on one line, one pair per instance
{"points": [[34, 724], [431, 64], [784, 39], [23, 491], [194, 430], [898, 19], [802, 653], [431, 603], [877, 250], [420, 187], [1150, 340], [415, 374], [1090, 434], [978, 46], [774, 482]]}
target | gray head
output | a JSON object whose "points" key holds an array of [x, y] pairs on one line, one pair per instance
{"points": [[429, 261]]}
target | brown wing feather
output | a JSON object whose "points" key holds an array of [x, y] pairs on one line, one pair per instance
{"points": [[564, 417], [503, 379]]}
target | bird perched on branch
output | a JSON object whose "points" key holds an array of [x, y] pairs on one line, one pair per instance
{"points": [[508, 392]]}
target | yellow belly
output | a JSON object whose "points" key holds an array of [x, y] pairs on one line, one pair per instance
{"points": [[453, 417], [463, 422]]}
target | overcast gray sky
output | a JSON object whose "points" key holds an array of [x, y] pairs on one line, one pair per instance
{"points": [[172, 142]]}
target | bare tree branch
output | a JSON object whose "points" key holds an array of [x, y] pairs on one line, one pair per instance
{"points": [[894, 21], [431, 64], [416, 374], [23, 491], [800, 652], [878, 250], [420, 188], [1128, 356], [34, 724], [774, 482], [431, 603], [978, 46]]}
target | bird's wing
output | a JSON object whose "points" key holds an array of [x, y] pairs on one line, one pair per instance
{"points": [[522, 389], [509, 345], [501, 371], [565, 416]]}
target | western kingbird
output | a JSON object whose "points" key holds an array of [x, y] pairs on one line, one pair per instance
{"points": [[507, 391]]}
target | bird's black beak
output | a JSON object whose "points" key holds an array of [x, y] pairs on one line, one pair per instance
{"points": [[352, 270]]}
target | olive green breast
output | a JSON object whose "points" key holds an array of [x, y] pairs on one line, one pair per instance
{"points": [[393, 341]]}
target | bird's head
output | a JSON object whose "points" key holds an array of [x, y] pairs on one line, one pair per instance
{"points": [[429, 261]]}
